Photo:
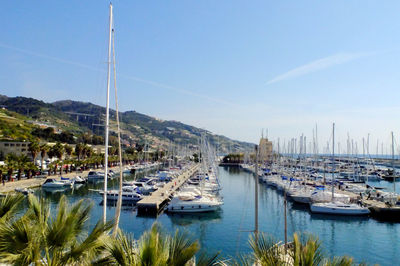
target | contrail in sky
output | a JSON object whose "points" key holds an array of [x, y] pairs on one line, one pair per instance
{"points": [[318, 65], [149, 82]]}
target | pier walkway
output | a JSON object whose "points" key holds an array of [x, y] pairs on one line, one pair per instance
{"points": [[152, 204], [35, 181]]}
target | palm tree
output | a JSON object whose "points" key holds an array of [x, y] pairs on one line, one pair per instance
{"points": [[44, 148], [68, 150], [37, 238], [79, 150], [153, 248], [3, 169], [58, 151], [31, 167], [22, 163], [305, 250], [34, 149], [88, 151], [11, 162]]}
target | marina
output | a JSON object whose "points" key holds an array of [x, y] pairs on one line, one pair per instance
{"points": [[154, 203], [228, 229], [170, 168]]}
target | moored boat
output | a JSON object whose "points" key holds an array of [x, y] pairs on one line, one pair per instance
{"points": [[53, 183], [339, 208]]}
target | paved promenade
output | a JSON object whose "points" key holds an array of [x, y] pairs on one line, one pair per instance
{"points": [[35, 181]]}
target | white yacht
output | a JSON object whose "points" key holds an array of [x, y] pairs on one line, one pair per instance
{"points": [[95, 176], [339, 208], [53, 183], [334, 206], [319, 196], [129, 194], [189, 203]]}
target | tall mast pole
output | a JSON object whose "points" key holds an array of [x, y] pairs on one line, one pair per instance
{"points": [[107, 120], [119, 201], [256, 195], [394, 176], [333, 161]]}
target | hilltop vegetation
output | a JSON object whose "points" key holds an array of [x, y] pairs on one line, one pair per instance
{"points": [[13, 126], [81, 118]]}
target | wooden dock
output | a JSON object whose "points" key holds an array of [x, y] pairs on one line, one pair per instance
{"points": [[153, 204]]}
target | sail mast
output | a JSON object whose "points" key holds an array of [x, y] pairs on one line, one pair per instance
{"points": [[119, 202], [107, 120], [394, 176], [333, 161], [256, 194]]}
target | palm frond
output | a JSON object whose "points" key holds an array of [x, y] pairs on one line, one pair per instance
{"points": [[9, 204], [205, 259], [93, 245], [39, 211], [241, 260], [339, 261], [267, 250], [68, 224], [121, 250], [306, 251], [19, 242], [182, 248], [153, 247]]}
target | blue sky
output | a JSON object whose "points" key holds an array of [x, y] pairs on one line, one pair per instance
{"points": [[232, 67]]}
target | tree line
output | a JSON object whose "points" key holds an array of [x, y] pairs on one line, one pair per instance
{"points": [[68, 159]]}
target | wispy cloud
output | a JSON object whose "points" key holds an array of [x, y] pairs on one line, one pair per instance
{"points": [[318, 65], [138, 79]]}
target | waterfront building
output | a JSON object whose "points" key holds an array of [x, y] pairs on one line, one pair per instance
{"points": [[15, 147], [265, 150]]}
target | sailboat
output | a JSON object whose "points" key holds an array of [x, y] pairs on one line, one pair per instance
{"points": [[336, 207], [107, 125], [391, 211], [194, 199], [124, 194]]}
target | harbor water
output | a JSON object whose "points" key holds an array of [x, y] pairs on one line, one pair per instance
{"points": [[228, 230]]}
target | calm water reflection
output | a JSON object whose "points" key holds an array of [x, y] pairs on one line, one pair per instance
{"points": [[228, 230]]}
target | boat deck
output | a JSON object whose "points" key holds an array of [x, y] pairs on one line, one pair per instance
{"points": [[152, 204]]}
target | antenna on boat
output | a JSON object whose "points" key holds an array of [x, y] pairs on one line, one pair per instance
{"points": [[107, 121]]}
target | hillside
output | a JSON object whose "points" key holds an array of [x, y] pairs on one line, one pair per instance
{"points": [[83, 117], [13, 126]]}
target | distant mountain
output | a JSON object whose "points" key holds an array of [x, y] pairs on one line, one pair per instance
{"points": [[80, 117]]}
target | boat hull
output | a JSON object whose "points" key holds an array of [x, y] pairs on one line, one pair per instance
{"points": [[189, 209], [318, 208], [301, 199]]}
